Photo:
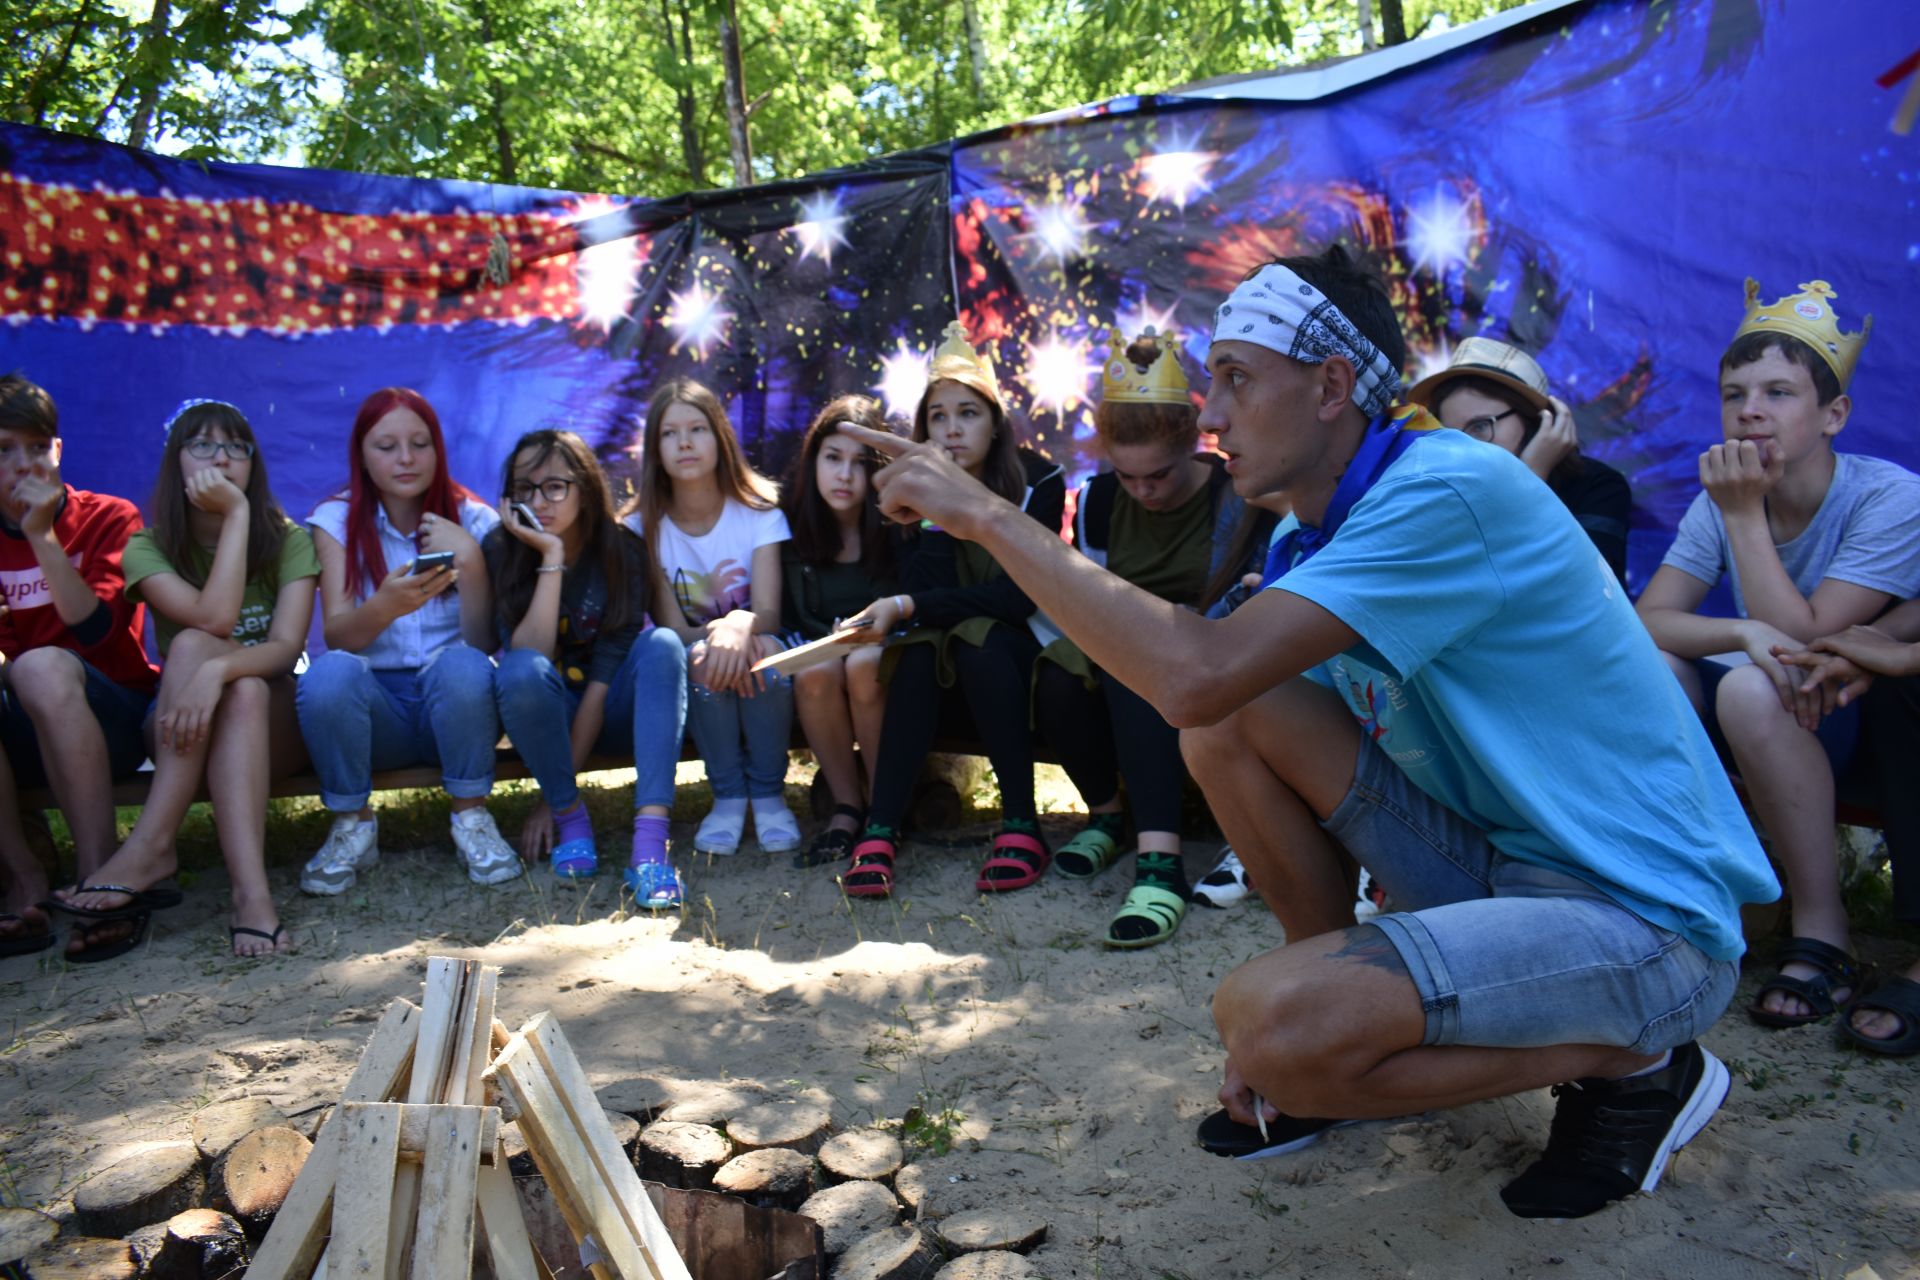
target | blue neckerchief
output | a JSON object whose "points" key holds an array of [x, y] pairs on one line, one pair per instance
{"points": [[1387, 438]]}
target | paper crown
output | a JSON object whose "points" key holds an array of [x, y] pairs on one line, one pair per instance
{"points": [[1808, 316], [956, 361], [1163, 382]]}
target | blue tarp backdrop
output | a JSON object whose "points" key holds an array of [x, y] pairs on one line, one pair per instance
{"points": [[1593, 184]]}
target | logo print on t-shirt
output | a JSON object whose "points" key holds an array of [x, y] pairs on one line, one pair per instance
{"points": [[706, 596], [27, 588]]}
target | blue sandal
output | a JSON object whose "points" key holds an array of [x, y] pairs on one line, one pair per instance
{"points": [[576, 859], [655, 885]]}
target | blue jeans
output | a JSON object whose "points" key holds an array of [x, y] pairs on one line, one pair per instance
{"points": [[357, 720], [646, 711], [122, 713], [743, 740], [1512, 955]]}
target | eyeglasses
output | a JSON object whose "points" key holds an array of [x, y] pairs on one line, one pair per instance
{"points": [[555, 489], [205, 450], [1482, 428]]}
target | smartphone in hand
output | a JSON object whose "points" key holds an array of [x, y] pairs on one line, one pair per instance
{"points": [[527, 518], [428, 561]]}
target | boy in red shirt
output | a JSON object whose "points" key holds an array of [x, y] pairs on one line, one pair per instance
{"points": [[75, 683]]}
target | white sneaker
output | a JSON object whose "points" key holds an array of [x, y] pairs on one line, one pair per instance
{"points": [[351, 847], [721, 829], [489, 858], [774, 825], [1225, 885]]}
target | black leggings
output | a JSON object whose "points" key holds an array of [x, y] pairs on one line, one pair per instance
{"points": [[992, 680], [1890, 736], [1103, 736]]}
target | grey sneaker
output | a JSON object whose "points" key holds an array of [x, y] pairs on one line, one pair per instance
{"points": [[351, 847], [489, 858]]}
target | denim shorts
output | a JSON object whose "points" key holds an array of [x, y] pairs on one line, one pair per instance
{"points": [[1509, 955], [122, 713]]}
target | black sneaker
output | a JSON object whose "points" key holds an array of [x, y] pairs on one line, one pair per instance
{"points": [[1222, 1135], [1611, 1138]]}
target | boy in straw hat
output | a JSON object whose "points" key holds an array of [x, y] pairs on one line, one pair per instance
{"points": [[1568, 859], [1815, 542]]}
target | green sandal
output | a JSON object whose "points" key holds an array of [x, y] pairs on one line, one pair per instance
{"points": [[1160, 909], [1086, 855]]}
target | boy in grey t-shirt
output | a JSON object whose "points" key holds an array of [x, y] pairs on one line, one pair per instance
{"points": [[1815, 541]]}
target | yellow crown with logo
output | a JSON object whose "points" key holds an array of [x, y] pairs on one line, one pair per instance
{"points": [[1162, 382], [1808, 316], [956, 360]]}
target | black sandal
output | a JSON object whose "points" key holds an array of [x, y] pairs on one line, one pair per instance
{"points": [[831, 844], [1900, 997], [1834, 968], [93, 952]]}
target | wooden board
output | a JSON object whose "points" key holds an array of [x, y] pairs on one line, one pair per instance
{"points": [[363, 1194], [439, 1007], [503, 1224], [616, 1171], [384, 1062], [449, 1188], [474, 1032], [811, 654]]}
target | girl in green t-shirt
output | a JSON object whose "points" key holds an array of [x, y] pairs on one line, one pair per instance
{"points": [[230, 581]]}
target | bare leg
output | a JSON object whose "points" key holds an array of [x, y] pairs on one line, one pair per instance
{"points": [[254, 718], [867, 701], [1271, 772], [1791, 787], [820, 700], [26, 882], [1331, 1027], [51, 686]]}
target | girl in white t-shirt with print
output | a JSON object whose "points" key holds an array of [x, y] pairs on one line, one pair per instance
{"points": [[714, 527]]}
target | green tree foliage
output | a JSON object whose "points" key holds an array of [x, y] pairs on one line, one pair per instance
{"points": [[625, 95]]}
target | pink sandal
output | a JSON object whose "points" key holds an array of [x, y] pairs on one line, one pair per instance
{"points": [[1018, 853], [873, 866]]}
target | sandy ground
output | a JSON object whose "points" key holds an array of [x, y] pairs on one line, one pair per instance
{"points": [[1077, 1074]]}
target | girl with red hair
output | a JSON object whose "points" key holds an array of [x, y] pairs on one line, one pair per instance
{"points": [[408, 620]]}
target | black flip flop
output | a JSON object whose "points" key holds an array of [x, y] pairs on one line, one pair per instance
{"points": [[20, 942], [94, 953], [234, 932], [1899, 997], [158, 898]]}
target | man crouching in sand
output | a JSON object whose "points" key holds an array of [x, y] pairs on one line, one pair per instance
{"points": [[1443, 680]]}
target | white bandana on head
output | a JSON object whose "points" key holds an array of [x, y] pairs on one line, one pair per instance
{"points": [[1276, 309]]}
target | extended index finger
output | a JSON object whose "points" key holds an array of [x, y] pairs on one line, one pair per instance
{"points": [[883, 441]]}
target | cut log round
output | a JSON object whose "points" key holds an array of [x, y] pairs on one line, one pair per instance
{"points": [[681, 1154], [849, 1211], [872, 1154], [24, 1231], [149, 1187], [83, 1258], [218, 1127], [771, 1178], [307, 1123], [975, 1229], [991, 1265], [190, 1245], [626, 1130], [940, 796], [800, 1126], [519, 1159], [895, 1253], [253, 1178]]}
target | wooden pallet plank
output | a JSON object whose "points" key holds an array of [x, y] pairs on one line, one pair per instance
{"points": [[384, 1063], [586, 1201], [439, 1007], [363, 1194], [449, 1190], [575, 1091], [502, 1223], [473, 1032]]}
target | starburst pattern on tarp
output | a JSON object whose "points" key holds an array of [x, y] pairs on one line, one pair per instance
{"points": [[699, 320], [822, 226], [903, 380]]}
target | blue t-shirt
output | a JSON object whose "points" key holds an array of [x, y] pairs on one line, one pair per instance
{"points": [[1867, 532], [1502, 667]]}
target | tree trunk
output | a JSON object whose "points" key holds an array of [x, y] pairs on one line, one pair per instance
{"points": [[692, 154], [153, 54], [976, 50], [1393, 22], [50, 76], [496, 109], [736, 96]]}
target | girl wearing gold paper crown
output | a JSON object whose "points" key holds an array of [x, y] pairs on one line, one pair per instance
{"points": [[1162, 518], [968, 632]]}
